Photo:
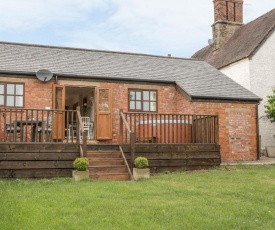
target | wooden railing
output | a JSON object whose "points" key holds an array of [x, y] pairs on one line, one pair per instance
{"points": [[83, 147], [39, 125], [169, 128], [130, 134]]}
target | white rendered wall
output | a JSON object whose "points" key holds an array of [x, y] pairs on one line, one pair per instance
{"points": [[239, 72], [262, 70]]}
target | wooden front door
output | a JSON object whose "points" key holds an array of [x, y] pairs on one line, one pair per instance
{"points": [[58, 119], [104, 114]]}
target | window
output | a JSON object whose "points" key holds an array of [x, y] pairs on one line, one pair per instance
{"points": [[143, 100], [11, 95]]}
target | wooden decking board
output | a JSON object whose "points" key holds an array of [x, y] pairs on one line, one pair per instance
{"points": [[158, 148], [38, 156], [35, 173], [54, 160]]}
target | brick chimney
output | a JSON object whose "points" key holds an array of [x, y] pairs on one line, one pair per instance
{"points": [[228, 19]]}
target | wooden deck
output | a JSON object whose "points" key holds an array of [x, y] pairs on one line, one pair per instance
{"points": [[33, 160], [169, 141]]}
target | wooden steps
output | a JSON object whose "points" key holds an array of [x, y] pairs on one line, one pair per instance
{"points": [[107, 165]]}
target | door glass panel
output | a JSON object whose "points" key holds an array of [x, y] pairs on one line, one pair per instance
{"points": [[58, 98], [103, 100], [10, 88], [10, 100]]}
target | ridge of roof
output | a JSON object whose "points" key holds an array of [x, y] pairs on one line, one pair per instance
{"points": [[95, 50]]}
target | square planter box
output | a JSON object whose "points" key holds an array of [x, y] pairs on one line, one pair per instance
{"points": [[80, 175], [141, 173], [270, 151]]}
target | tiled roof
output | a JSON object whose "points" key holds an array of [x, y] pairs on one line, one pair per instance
{"points": [[244, 43], [197, 78]]}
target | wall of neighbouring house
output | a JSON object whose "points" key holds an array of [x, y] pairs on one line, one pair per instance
{"points": [[262, 71], [237, 121], [257, 74], [239, 72]]}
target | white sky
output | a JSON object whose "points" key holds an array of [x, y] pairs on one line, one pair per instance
{"points": [[160, 27]]}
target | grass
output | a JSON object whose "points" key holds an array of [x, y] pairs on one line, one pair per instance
{"points": [[239, 197]]}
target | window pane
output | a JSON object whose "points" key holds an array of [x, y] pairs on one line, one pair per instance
{"points": [[138, 105], [153, 106], [132, 95], [10, 88], [138, 96], [153, 95], [10, 100], [19, 89], [132, 104], [1, 100], [19, 101], [146, 95], [1, 89], [145, 106]]}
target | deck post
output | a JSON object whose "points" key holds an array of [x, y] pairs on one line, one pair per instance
{"points": [[120, 127], [133, 148], [77, 124], [84, 143]]}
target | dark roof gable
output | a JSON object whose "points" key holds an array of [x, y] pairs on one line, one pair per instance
{"points": [[197, 78], [244, 43]]}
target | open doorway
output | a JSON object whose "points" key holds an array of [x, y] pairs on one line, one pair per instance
{"points": [[83, 97]]}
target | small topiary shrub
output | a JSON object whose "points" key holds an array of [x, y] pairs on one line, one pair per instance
{"points": [[141, 162], [81, 163]]}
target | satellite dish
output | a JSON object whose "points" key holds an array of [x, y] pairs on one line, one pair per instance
{"points": [[44, 75], [210, 42]]}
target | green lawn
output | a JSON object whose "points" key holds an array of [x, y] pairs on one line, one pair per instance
{"points": [[240, 197]]}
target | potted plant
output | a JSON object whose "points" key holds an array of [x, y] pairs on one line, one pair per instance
{"points": [[270, 111], [81, 165], [141, 170]]}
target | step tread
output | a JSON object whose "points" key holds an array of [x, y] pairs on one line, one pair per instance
{"points": [[111, 176]]}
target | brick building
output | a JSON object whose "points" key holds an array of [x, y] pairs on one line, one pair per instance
{"points": [[132, 83]]}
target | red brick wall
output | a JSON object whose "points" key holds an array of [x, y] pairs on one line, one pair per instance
{"points": [[224, 10], [237, 121]]}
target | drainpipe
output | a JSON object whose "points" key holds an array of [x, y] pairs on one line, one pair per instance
{"points": [[55, 79], [257, 131]]}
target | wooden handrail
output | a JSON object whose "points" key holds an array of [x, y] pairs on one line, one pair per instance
{"points": [[123, 121], [126, 163]]}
